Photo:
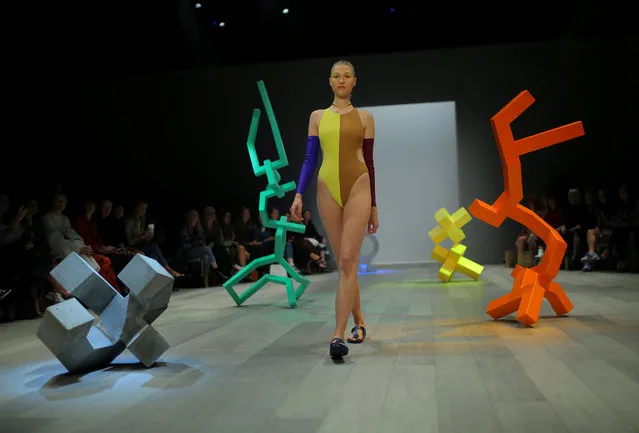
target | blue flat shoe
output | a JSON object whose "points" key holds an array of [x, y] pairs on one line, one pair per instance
{"points": [[354, 338], [337, 348]]}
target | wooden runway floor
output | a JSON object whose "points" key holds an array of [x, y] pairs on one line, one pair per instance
{"points": [[433, 362]]}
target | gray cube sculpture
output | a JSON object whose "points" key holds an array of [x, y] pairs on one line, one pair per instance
{"points": [[82, 342]]}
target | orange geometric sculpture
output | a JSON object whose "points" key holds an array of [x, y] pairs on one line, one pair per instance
{"points": [[531, 285]]}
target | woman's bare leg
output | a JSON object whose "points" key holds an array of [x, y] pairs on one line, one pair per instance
{"points": [[591, 236], [34, 291], [57, 286], [358, 316], [356, 215], [520, 243], [331, 214], [241, 255], [354, 219]]}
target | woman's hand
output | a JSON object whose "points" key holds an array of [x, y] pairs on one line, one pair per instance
{"points": [[296, 208], [22, 212], [373, 222]]}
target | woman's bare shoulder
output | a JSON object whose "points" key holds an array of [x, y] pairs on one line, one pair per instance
{"points": [[317, 113]]}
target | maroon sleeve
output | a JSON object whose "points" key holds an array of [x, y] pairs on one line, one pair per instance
{"points": [[368, 158]]}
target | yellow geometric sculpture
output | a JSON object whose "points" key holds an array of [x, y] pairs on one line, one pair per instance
{"points": [[453, 260], [449, 226]]}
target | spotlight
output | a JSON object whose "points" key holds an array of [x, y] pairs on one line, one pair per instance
{"points": [[222, 24], [198, 5], [285, 11], [392, 9]]}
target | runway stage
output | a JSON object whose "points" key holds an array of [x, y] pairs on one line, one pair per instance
{"points": [[434, 362]]}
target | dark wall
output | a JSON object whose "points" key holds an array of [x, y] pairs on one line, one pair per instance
{"points": [[180, 138]]}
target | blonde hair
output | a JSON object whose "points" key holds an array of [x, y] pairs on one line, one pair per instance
{"points": [[345, 63], [574, 196]]}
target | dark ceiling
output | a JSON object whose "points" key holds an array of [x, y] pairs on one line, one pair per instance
{"points": [[112, 36]]}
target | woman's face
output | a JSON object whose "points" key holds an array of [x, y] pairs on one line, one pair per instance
{"points": [[623, 193], [342, 80], [193, 218], [588, 199], [89, 207], [210, 216], [106, 208], [227, 218], [142, 208], [601, 195], [59, 203]]}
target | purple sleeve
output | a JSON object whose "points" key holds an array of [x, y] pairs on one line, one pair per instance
{"points": [[310, 163]]}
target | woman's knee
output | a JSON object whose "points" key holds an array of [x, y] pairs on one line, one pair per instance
{"points": [[348, 261]]}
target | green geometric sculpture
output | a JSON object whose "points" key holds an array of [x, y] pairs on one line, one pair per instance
{"points": [[273, 189]]}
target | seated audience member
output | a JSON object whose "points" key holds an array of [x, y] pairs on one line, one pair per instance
{"points": [[159, 230], [303, 250], [590, 229], [263, 235], [312, 235], [63, 240], [213, 238], [140, 235], [10, 229], [86, 227], [554, 215], [542, 206], [18, 297], [526, 239], [266, 235], [193, 244], [103, 218], [110, 223], [242, 229], [606, 212], [236, 251], [622, 227], [34, 259], [572, 230]]}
